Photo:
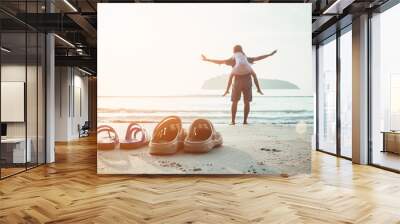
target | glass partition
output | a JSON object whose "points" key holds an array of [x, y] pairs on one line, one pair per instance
{"points": [[22, 77], [31, 86], [346, 94], [13, 94], [385, 89], [327, 96], [31, 97]]}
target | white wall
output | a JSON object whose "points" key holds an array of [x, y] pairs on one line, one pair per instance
{"points": [[80, 110], [70, 109], [62, 81]]}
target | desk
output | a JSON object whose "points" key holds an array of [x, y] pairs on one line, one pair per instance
{"points": [[13, 150], [391, 141]]}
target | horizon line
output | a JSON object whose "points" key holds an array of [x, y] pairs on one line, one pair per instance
{"points": [[199, 95]]}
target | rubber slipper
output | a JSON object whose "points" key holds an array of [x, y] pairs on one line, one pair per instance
{"points": [[202, 137], [167, 137]]}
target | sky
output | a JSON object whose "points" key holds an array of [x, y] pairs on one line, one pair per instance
{"points": [[155, 49]]}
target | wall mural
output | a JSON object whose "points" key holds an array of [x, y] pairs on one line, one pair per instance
{"points": [[204, 89]]}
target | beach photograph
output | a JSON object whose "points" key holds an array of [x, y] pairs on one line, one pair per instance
{"points": [[201, 89]]}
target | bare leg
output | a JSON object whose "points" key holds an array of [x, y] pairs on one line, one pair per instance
{"points": [[229, 85], [246, 111], [256, 82], [233, 111]]}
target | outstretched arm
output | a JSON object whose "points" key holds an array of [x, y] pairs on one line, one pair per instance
{"points": [[215, 61], [263, 56]]}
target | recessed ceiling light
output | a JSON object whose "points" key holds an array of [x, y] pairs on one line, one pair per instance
{"points": [[70, 5], [5, 50], [338, 6], [64, 40], [84, 71]]}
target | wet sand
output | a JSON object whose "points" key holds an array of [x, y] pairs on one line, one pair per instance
{"points": [[247, 149]]}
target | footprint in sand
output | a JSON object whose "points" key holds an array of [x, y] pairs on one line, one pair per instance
{"points": [[268, 150]]}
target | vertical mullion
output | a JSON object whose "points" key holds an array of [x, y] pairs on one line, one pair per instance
{"points": [[0, 95], [369, 89], [69, 92], [37, 90], [60, 88], [45, 94], [26, 86], [72, 92], [45, 87], [317, 97], [338, 81]]}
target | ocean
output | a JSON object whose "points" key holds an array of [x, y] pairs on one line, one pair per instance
{"points": [[264, 109]]}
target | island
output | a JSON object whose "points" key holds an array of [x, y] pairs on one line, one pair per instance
{"points": [[220, 82]]}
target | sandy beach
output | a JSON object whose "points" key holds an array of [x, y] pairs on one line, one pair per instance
{"points": [[249, 149]]}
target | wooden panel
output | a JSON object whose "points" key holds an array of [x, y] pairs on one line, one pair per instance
{"points": [[92, 101], [392, 142]]}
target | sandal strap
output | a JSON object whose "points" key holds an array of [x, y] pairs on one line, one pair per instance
{"points": [[108, 129], [133, 130]]}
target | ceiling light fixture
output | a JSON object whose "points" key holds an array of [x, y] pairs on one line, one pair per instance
{"points": [[65, 41], [84, 71], [338, 6], [79, 51], [5, 50], [70, 5]]}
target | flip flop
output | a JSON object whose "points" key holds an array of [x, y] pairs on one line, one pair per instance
{"points": [[108, 143], [167, 137], [131, 137], [202, 137]]}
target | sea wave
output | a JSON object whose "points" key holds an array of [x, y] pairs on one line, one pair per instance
{"points": [[256, 117], [274, 110], [124, 110]]}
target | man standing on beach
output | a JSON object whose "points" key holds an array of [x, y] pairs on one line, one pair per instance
{"points": [[241, 84]]}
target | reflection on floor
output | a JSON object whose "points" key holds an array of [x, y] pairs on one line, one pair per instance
{"points": [[11, 169], [387, 159]]}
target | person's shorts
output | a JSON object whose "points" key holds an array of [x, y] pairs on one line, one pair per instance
{"points": [[242, 84]]}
